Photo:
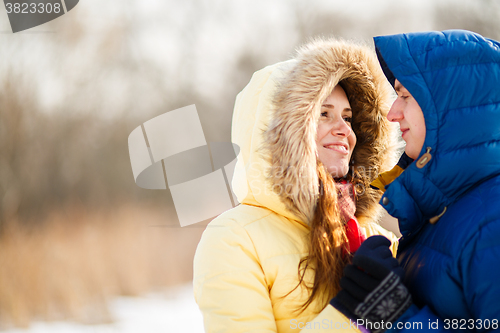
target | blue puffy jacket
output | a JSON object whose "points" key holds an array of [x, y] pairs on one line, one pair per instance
{"points": [[452, 265]]}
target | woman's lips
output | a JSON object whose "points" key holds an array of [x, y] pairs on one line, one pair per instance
{"points": [[338, 147], [404, 131]]}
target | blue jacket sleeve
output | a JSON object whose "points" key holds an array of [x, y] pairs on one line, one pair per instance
{"points": [[479, 266]]}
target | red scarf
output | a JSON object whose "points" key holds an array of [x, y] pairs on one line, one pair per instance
{"points": [[347, 205]]}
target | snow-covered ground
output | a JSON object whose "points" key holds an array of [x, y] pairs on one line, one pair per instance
{"points": [[172, 311]]}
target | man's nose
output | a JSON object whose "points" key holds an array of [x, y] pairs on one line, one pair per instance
{"points": [[395, 113]]}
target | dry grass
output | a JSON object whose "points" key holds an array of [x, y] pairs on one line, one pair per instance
{"points": [[71, 266]]}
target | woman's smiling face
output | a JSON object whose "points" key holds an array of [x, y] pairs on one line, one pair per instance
{"points": [[335, 137]]}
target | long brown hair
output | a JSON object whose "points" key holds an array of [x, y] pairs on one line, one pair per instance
{"points": [[328, 251]]}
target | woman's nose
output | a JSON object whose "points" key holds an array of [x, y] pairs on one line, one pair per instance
{"points": [[341, 128]]}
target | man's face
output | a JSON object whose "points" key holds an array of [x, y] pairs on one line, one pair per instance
{"points": [[410, 117]]}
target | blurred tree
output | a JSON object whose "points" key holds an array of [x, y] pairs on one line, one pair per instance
{"points": [[478, 16]]}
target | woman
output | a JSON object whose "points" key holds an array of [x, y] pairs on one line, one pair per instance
{"points": [[272, 263]]}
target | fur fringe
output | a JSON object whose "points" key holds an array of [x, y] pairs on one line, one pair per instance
{"points": [[290, 139]]}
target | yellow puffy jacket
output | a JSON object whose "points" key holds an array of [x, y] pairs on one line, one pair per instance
{"points": [[246, 263]]}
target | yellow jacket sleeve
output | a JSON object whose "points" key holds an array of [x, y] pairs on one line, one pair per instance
{"points": [[229, 284], [329, 320], [385, 178]]}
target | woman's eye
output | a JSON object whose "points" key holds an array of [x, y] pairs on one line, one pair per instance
{"points": [[348, 119], [324, 114]]}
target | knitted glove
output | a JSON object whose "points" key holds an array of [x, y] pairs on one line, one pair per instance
{"points": [[371, 286], [377, 248]]}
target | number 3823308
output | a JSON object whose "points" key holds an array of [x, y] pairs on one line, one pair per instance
{"points": [[32, 8], [471, 324]]}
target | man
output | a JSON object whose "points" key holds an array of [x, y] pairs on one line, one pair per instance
{"points": [[447, 200]]}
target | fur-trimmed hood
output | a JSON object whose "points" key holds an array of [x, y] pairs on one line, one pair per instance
{"points": [[275, 121]]}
